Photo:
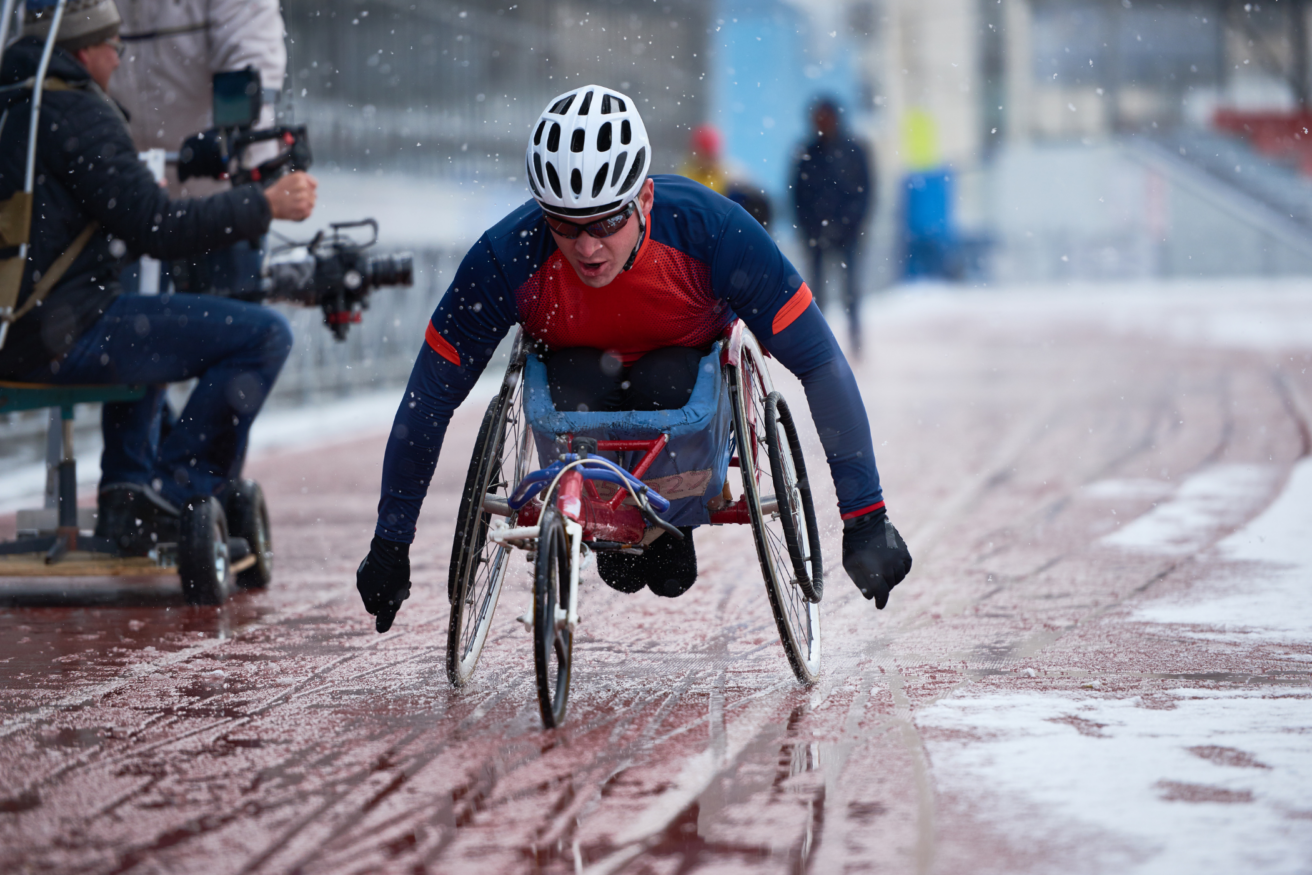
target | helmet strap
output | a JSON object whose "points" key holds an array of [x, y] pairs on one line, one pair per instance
{"points": [[642, 235]]}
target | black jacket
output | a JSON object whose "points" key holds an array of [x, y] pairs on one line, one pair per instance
{"points": [[833, 182], [87, 168]]}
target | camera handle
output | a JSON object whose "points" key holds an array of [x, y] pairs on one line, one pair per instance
{"points": [[296, 157], [338, 227]]}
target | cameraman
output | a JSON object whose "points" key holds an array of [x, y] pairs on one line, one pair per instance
{"points": [[173, 49], [95, 203]]}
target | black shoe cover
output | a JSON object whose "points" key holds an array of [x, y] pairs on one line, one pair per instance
{"points": [[667, 566]]}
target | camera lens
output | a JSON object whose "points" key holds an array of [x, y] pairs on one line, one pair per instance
{"points": [[392, 270]]}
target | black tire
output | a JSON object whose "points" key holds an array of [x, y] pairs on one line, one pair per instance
{"points": [[478, 566], [248, 517], [796, 508], [553, 641], [203, 562], [797, 617]]}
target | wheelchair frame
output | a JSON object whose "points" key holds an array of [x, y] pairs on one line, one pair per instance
{"points": [[558, 516]]}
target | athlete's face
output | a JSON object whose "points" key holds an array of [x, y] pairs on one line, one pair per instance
{"points": [[598, 260]]}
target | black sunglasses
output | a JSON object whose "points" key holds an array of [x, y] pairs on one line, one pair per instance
{"points": [[600, 228]]}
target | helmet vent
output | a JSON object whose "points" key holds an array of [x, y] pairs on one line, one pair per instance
{"points": [[554, 179], [531, 184], [578, 140], [562, 106], [586, 105], [605, 104], [619, 168], [635, 169], [553, 138], [626, 132], [600, 180], [576, 182], [537, 135], [537, 165], [603, 138]]}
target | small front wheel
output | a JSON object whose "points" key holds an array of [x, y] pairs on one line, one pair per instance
{"points": [[553, 640], [203, 553]]}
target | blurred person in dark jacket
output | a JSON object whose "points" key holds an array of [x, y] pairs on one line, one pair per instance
{"points": [[833, 192], [96, 202]]}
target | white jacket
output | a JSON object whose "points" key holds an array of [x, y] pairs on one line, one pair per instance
{"points": [[174, 47]]}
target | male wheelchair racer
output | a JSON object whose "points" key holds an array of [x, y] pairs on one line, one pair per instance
{"points": [[592, 498]]}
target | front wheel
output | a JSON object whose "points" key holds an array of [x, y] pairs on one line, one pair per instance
{"points": [[203, 553], [553, 640], [768, 499]]}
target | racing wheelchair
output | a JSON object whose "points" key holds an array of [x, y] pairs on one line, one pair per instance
{"points": [[614, 481]]}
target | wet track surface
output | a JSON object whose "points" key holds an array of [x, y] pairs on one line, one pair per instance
{"points": [[280, 734]]}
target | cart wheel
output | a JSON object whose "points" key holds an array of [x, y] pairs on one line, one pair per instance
{"points": [[797, 617], [478, 566], [248, 517], [553, 642], [203, 553], [793, 495]]}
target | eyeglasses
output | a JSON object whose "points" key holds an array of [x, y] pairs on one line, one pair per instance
{"points": [[117, 45], [600, 228]]}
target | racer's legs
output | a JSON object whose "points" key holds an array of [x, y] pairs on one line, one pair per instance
{"points": [[582, 378], [667, 567], [590, 379]]}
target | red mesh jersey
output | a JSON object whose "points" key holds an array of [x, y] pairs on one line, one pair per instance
{"points": [[663, 300]]}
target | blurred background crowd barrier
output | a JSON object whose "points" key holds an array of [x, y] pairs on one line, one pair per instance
{"points": [[1014, 140]]}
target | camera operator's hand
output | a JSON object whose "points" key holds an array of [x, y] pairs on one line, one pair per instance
{"points": [[383, 580], [292, 197], [874, 555]]}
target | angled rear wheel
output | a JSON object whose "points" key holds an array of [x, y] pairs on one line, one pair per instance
{"points": [[500, 460], [769, 500]]}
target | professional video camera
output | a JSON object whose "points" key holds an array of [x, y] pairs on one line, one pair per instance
{"points": [[334, 273], [218, 152]]}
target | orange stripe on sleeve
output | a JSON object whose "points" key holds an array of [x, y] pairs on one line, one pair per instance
{"points": [[789, 312], [442, 346]]}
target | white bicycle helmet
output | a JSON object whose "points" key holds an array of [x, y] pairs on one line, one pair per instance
{"points": [[589, 153]]}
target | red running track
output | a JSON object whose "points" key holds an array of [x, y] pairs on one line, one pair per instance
{"points": [[280, 734]]}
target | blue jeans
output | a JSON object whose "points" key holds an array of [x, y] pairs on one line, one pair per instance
{"points": [[236, 350]]}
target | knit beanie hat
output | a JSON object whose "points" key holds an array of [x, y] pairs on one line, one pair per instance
{"points": [[85, 22]]}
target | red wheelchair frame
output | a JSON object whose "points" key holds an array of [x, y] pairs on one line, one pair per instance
{"points": [[559, 515]]}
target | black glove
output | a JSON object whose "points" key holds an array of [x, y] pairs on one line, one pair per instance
{"points": [[874, 555], [383, 580]]}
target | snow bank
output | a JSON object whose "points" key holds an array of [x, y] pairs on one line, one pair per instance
{"points": [[1218, 783]]}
